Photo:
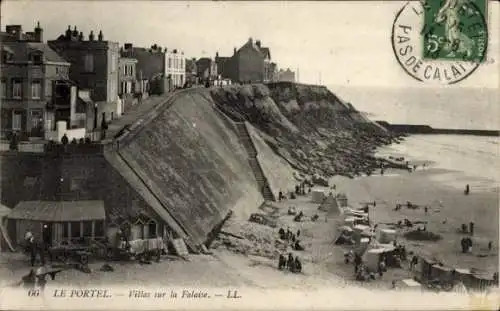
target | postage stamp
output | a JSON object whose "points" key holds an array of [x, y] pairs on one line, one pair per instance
{"points": [[455, 30], [441, 42]]}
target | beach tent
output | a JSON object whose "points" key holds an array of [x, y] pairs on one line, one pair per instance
{"points": [[330, 205], [318, 195], [4, 236], [349, 221], [385, 235]]}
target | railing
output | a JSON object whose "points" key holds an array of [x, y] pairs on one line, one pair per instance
{"points": [[24, 147]]}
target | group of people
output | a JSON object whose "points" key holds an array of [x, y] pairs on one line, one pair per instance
{"points": [[292, 264], [292, 238], [81, 141], [36, 247]]}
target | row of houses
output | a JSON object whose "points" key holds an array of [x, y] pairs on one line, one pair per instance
{"points": [[74, 84], [250, 63]]}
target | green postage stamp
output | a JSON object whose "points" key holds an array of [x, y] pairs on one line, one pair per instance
{"points": [[455, 30]]}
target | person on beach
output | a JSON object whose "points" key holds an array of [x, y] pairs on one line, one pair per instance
{"points": [[297, 265], [280, 196], [490, 245], [290, 262], [426, 209], [298, 232], [467, 189], [471, 228], [281, 262]]}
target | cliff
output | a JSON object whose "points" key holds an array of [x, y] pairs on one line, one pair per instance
{"points": [[309, 126]]}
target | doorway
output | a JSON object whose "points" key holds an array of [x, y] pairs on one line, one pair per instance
{"points": [[47, 234]]}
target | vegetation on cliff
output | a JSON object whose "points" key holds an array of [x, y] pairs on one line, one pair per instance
{"points": [[310, 127]]}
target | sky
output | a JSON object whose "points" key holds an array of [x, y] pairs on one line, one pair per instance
{"points": [[335, 43]]}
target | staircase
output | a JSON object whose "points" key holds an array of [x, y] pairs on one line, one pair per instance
{"points": [[247, 143]]}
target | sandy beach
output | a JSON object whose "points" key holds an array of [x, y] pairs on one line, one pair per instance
{"points": [[255, 264]]}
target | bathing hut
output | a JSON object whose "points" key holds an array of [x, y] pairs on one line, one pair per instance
{"points": [[372, 258], [464, 276], [56, 222], [441, 273], [385, 235], [318, 195]]}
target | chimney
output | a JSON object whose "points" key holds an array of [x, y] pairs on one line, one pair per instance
{"points": [[128, 46], [216, 54], [75, 32], [257, 43], [15, 30], [80, 36], [91, 35], [250, 40], [68, 32], [100, 36], [234, 51], [38, 33]]}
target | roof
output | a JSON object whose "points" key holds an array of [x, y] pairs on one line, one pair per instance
{"points": [[265, 52], [57, 211], [21, 51]]}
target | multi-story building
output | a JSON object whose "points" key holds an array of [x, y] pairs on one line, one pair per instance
{"points": [[286, 75], [207, 69], [273, 72], [250, 63], [176, 68], [150, 64], [94, 66], [191, 71], [127, 81], [36, 91]]}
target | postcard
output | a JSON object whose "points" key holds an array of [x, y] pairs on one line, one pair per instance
{"points": [[248, 155]]}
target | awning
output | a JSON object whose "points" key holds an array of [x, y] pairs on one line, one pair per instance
{"points": [[59, 211]]}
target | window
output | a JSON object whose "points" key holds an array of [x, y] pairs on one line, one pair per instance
{"points": [[4, 89], [17, 88], [6, 56], [36, 58], [152, 230], [89, 62], [169, 62], [16, 120], [36, 89]]}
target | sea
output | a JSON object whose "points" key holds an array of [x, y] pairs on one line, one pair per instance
{"points": [[463, 158]]}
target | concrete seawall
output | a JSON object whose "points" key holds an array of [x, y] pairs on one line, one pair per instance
{"points": [[426, 129]]}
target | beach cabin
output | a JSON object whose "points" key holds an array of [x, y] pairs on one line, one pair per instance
{"points": [[318, 195], [464, 276], [385, 235], [372, 258], [349, 221], [442, 273], [58, 222]]}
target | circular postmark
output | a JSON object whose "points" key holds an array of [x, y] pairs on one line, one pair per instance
{"points": [[440, 42]]}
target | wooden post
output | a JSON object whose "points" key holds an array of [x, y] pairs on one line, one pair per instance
{"points": [[69, 230], [81, 228], [93, 229]]}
